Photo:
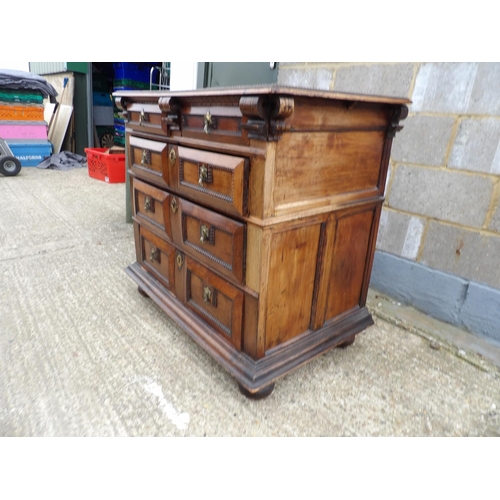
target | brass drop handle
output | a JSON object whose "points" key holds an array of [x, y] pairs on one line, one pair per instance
{"points": [[207, 295], [149, 205], [142, 117], [154, 255], [174, 205], [172, 156], [202, 174], [207, 122], [146, 157], [204, 234]]}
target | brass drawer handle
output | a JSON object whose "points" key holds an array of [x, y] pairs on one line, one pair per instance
{"points": [[202, 174], [204, 234], [146, 157], [149, 204], [209, 122], [207, 295], [154, 255], [174, 205], [210, 296], [143, 118], [172, 156]]}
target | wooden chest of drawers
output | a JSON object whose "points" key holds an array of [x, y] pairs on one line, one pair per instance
{"points": [[256, 213]]}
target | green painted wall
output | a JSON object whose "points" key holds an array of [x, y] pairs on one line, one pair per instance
{"points": [[78, 67], [81, 114]]}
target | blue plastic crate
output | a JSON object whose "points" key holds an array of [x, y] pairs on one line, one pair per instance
{"points": [[30, 153], [102, 99], [132, 71]]}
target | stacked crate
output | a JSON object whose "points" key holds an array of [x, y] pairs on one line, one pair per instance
{"points": [[104, 118], [22, 125], [130, 76]]}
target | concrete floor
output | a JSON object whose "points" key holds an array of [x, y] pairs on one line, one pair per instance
{"points": [[83, 354]]}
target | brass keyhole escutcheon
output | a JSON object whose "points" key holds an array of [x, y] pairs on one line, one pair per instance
{"points": [[180, 260], [149, 205], [174, 205], [202, 174], [172, 156], [154, 255], [146, 157], [208, 122], [207, 295], [204, 234]]}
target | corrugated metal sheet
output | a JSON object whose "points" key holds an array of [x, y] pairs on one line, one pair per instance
{"points": [[47, 68]]}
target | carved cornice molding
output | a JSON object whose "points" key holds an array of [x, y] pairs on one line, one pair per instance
{"points": [[265, 115], [398, 115], [121, 104], [281, 109], [170, 113]]}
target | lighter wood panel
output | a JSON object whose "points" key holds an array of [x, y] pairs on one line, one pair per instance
{"points": [[349, 260], [256, 187], [253, 259], [269, 179], [311, 167], [291, 283], [313, 114]]}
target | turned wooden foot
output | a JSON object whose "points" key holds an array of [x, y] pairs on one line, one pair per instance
{"points": [[142, 292], [260, 394], [347, 342]]}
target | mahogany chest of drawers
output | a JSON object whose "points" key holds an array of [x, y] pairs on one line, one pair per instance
{"points": [[256, 213]]}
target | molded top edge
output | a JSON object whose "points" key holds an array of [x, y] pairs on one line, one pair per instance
{"points": [[264, 89]]}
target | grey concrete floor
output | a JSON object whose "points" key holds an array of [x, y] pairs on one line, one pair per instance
{"points": [[83, 354]]}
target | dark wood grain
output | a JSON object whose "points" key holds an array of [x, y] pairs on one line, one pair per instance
{"points": [[349, 258], [215, 300], [214, 179], [222, 248], [148, 159], [163, 265]]}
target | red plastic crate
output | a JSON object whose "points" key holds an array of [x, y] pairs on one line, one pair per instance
{"points": [[105, 166]]}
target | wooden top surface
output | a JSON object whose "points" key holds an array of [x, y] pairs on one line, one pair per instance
{"points": [[263, 89]]}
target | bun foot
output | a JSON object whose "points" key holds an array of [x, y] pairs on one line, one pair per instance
{"points": [[142, 292], [347, 342], [260, 394]]}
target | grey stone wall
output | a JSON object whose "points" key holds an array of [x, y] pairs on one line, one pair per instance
{"points": [[442, 204]]}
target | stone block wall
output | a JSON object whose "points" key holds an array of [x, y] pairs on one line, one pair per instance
{"points": [[442, 208]]}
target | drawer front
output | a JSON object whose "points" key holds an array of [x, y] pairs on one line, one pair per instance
{"points": [[216, 301], [214, 179], [211, 238], [157, 257], [148, 159], [214, 123], [145, 117], [152, 206]]}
